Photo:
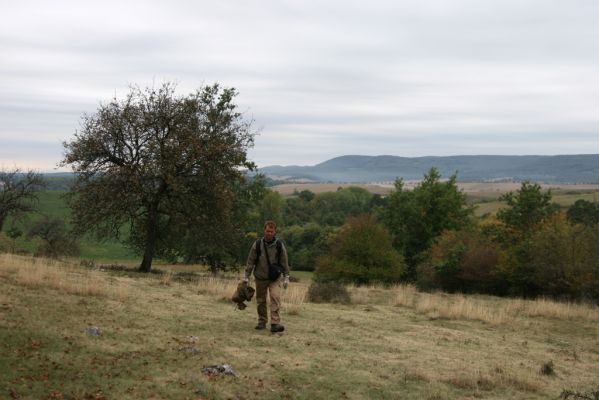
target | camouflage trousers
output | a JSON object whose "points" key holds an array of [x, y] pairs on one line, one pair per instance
{"points": [[273, 290]]}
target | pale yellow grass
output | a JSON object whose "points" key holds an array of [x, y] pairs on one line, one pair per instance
{"points": [[459, 307], [465, 376], [166, 279], [36, 272], [361, 294], [57, 275], [377, 351], [295, 294], [551, 309], [491, 310], [216, 287]]}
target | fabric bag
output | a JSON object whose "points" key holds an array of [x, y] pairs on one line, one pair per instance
{"points": [[274, 269]]}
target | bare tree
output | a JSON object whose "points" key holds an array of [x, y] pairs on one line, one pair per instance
{"points": [[18, 192]]}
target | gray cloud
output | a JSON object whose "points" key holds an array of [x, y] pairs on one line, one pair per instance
{"points": [[410, 78]]}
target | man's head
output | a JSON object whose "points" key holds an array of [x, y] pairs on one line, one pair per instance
{"points": [[270, 230]]}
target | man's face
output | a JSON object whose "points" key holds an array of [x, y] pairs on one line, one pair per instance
{"points": [[269, 233]]}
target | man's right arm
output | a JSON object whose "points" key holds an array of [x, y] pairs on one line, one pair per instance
{"points": [[251, 263]]}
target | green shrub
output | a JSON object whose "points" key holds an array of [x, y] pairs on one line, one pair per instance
{"points": [[464, 261], [6, 244], [305, 244], [55, 238], [361, 253], [564, 260]]}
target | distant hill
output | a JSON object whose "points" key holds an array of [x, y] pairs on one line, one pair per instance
{"points": [[582, 168]]}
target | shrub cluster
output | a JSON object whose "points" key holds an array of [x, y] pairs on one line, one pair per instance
{"points": [[361, 253], [6, 244], [530, 249], [557, 259]]}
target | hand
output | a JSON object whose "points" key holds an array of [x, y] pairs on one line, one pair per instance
{"points": [[246, 279], [286, 282]]}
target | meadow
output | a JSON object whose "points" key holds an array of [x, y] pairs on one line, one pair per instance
{"points": [[52, 204], [158, 331], [488, 202]]}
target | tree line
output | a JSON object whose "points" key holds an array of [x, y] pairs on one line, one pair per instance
{"points": [[430, 236]]}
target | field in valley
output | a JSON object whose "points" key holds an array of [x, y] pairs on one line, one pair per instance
{"points": [[288, 189], [159, 331]]}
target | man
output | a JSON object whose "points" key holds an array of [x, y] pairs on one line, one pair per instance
{"points": [[271, 247]]}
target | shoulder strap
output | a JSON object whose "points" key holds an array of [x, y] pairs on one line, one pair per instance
{"points": [[279, 248], [258, 245], [266, 254]]}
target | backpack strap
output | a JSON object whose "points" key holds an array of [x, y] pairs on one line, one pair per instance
{"points": [[258, 250], [279, 248]]}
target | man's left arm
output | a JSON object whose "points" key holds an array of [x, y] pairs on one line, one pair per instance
{"points": [[285, 265]]}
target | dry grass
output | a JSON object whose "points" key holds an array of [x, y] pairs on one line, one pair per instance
{"points": [[497, 378], [295, 294], [488, 309], [458, 307], [166, 278], [404, 295], [61, 276], [361, 294], [389, 343], [216, 287], [48, 273], [551, 309]]}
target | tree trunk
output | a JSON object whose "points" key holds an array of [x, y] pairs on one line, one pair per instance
{"points": [[146, 263]]}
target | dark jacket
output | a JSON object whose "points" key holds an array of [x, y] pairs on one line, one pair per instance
{"points": [[260, 268]]}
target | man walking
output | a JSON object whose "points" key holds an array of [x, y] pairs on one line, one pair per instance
{"points": [[266, 256]]}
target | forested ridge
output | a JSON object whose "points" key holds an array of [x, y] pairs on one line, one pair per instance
{"points": [[579, 168]]}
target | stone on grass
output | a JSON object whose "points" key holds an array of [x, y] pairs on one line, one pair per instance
{"points": [[224, 369], [93, 331], [189, 349]]}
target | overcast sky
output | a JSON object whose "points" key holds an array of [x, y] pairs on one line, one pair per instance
{"points": [[320, 79]]}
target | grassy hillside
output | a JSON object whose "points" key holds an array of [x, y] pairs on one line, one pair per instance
{"points": [[159, 332]]}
